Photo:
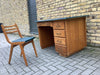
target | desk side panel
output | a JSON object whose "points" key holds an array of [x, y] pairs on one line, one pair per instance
{"points": [[76, 33]]}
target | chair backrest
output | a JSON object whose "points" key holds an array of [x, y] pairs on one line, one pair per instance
{"points": [[10, 29]]}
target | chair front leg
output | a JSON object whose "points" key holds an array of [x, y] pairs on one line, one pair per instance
{"points": [[34, 48], [11, 51], [22, 51]]}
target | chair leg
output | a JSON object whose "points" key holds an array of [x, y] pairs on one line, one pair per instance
{"points": [[34, 48], [11, 51], [22, 51]]}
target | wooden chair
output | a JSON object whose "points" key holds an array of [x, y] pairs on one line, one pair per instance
{"points": [[22, 41]]}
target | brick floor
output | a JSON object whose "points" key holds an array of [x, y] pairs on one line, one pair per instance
{"points": [[85, 62]]}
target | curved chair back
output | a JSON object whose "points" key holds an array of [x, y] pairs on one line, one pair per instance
{"points": [[10, 29]]}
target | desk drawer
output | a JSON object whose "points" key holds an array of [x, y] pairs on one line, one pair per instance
{"points": [[61, 49], [60, 41], [59, 33], [58, 25], [44, 24]]}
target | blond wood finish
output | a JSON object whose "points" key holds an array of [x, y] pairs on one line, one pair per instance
{"points": [[11, 32], [11, 50], [69, 35], [10, 26], [60, 41], [44, 24], [59, 33], [12, 29], [60, 48], [58, 25], [22, 50], [34, 48], [76, 35]]}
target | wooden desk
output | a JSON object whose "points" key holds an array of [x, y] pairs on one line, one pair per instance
{"points": [[67, 34]]}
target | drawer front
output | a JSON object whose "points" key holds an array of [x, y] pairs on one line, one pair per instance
{"points": [[44, 24], [58, 25], [59, 33], [61, 49], [60, 41]]}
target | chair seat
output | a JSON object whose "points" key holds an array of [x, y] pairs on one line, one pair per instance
{"points": [[25, 39]]}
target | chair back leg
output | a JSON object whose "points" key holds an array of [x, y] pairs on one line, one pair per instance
{"points": [[22, 50], [21, 53], [34, 48], [11, 51]]}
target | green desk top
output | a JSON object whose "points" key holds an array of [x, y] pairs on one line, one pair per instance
{"points": [[62, 18]]}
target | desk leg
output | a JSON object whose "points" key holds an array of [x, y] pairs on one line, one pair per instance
{"points": [[46, 36]]}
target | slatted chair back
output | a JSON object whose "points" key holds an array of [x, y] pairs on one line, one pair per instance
{"points": [[21, 41], [10, 29]]}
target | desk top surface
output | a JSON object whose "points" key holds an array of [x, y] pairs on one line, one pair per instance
{"points": [[62, 18]]}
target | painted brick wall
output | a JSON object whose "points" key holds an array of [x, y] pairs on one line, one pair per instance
{"points": [[15, 11], [50, 9]]}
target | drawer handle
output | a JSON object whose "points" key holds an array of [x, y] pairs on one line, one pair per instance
{"points": [[59, 41], [58, 25], [58, 48], [39, 24], [47, 24], [58, 33]]}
